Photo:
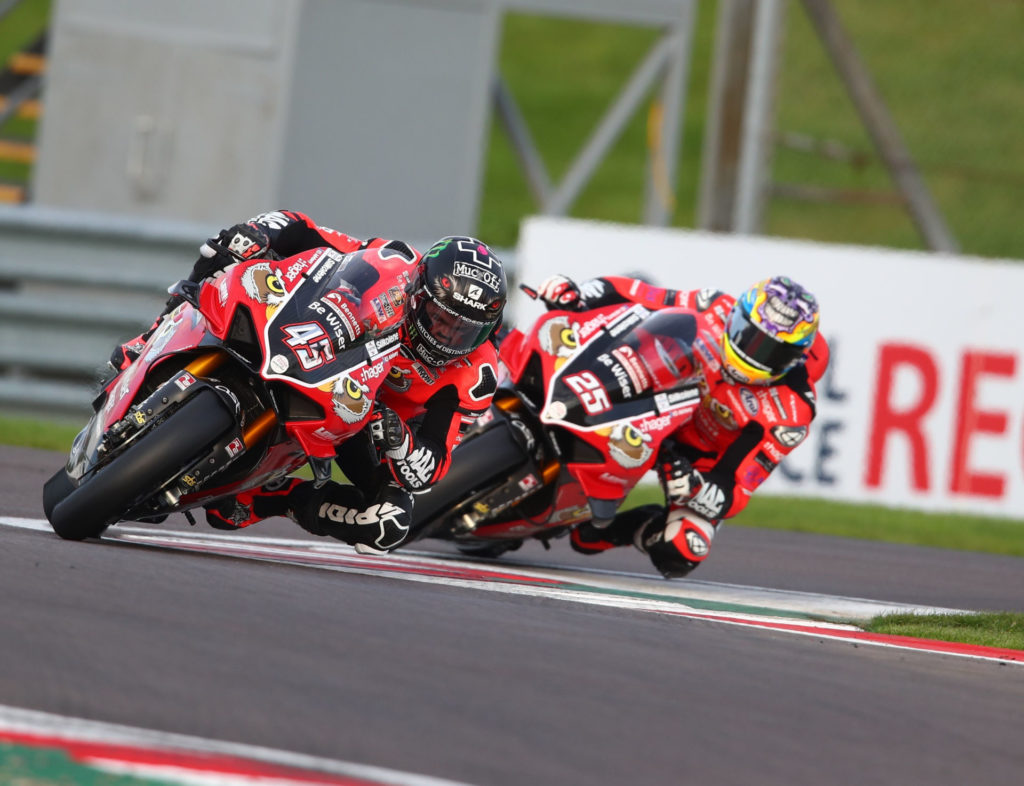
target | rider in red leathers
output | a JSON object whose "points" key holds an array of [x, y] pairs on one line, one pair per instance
{"points": [[760, 357], [442, 380]]}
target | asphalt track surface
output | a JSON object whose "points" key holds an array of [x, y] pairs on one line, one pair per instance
{"points": [[489, 688]]}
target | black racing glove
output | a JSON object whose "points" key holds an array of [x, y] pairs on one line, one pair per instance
{"points": [[239, 243], [389, 433]]}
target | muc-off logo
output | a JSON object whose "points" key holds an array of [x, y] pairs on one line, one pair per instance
{"points": [[486, 277]]}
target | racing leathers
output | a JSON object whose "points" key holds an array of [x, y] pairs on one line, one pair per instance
{"points": [[420, 413], [710, 466]]}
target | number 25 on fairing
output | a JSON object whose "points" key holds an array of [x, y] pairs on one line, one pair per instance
{"points": [[590, 392]]}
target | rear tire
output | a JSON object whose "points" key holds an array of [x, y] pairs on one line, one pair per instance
{"points": [[85, 511], [490, 551]]}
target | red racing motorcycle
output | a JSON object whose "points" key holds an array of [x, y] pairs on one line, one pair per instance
{"points": [[583, 407], [254, 374]]}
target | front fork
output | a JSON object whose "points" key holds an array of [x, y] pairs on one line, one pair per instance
{"points": [[525, 482], [172, 394]]}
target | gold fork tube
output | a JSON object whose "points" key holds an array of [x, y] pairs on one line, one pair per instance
{"points": [[204, 364], [259, 428]]}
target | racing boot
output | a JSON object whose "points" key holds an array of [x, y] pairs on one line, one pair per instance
{"points": [[127, 353], [588, 539], [252, 506], [343, 512]]}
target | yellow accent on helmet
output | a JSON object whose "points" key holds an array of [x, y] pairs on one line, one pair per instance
{"points": [[740, 369]]}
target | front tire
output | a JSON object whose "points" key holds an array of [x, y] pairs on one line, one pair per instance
{"points": [[85, 511]]}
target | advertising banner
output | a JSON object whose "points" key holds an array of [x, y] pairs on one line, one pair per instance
{"points": [[923, 403]]}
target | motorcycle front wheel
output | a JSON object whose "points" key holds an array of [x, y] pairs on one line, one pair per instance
{"points": [[85, 511], [485, 459]]}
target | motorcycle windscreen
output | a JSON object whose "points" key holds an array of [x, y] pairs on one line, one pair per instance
{"points": [[619, 373], [342, 314]]}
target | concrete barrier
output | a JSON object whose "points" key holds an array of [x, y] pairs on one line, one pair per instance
{"points": [[72, 285]]}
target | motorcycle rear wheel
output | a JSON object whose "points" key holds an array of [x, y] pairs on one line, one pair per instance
{"points": [[86, 511]]}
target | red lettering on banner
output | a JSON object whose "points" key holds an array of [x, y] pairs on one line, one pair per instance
{"points": [[886, 420], [970, 420]]}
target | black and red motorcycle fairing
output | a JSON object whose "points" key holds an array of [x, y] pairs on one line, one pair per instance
{"points": [[584, 405], [255, 373]]}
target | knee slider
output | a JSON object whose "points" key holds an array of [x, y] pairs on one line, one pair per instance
{"points": [[680, 545]]}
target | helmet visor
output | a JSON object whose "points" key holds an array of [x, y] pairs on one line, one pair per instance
{"points": [[450, 335], [759, 349]]}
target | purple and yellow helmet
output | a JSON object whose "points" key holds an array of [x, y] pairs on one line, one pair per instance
{"points": [[769, 330]]}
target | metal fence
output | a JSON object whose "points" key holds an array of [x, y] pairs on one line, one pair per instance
{"points": [[72, 285]]}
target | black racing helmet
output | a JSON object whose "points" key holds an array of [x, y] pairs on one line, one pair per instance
{"points": [[459, 302]]}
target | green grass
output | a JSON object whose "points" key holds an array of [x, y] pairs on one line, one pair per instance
{"points": [[31, 433], [985, 534], [19, 29], [22, 25], [987, 630]]}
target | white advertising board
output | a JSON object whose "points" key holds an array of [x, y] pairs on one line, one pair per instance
{"points": [[923, 403]]}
